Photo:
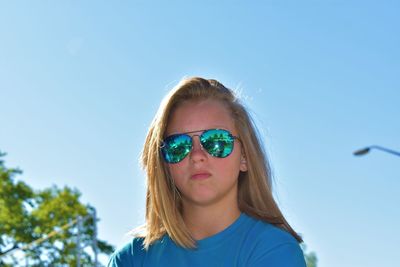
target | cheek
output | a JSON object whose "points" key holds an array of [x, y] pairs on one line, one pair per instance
{"points": [[177, 174], [176, 171], [229, 167]]}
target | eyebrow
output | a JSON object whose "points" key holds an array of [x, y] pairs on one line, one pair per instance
{"points": [[196, 131]]}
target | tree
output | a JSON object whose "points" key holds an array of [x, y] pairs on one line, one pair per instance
{"points": [[310, 257], [41, 226]]}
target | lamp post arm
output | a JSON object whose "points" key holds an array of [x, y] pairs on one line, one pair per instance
{"points": [[387, 150]]}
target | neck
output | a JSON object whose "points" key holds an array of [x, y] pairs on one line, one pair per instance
{"points": [[205, 221]]}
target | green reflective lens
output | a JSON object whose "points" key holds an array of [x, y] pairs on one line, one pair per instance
{"points": [[217, 142], [176, 147]]}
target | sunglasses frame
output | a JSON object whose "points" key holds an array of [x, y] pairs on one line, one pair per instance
{"points": [[202, 147]]}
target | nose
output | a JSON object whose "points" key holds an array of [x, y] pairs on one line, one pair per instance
{"points": [[197, 154]]}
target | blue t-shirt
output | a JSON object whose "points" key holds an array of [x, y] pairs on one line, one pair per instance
{"points": [[247, 242]]}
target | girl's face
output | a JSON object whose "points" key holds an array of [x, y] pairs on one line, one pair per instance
{"points": [[202, 179]]}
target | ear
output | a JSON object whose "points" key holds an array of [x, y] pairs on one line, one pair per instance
{"points": [[243, 164]]}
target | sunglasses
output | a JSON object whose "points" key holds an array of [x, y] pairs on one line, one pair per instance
{"points": [[217, 142]]}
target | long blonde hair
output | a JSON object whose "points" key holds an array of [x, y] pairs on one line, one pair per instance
{"points": [[163, 202]]}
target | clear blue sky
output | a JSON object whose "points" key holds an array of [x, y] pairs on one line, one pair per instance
{"points": [[81, 80]]}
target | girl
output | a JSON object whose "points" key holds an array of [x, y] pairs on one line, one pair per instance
{"points": [[209, 198]]}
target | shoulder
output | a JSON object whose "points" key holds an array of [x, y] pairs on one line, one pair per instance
{"points": [[127, 254], [273, 246], [267, 233]]}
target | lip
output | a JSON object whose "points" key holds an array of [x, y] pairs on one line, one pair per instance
{"points": [[200, 176]]}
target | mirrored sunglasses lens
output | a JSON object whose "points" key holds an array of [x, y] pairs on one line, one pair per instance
{"points": [[218, 143], [176, 147]]}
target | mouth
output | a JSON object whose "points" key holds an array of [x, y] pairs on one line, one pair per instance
{"points": [[200, 176]]}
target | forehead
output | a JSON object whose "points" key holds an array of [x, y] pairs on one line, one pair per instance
{"points": [[199, 115]]}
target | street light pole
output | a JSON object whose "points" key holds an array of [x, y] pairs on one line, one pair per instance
{"points": [[365, 150], [95, 247], [78, 242]]}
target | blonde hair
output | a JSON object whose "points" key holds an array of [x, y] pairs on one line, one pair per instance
{"points": [[163, 202]]}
